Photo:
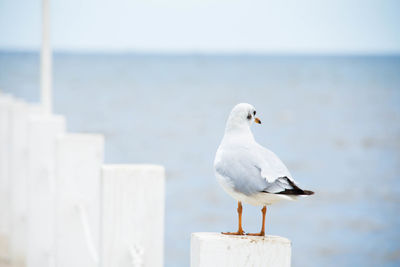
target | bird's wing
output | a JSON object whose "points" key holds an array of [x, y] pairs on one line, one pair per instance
{"points": [[253, 169], [273, 171], [234, 165], [272, 168]]}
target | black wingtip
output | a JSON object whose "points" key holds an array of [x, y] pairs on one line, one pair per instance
{"points": [[308, 192], [297, 191]]}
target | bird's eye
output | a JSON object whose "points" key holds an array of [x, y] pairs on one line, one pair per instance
{"points": [[249, 116], [254, 112]]}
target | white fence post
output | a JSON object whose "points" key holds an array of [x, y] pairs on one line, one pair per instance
{"points": [[43, 131], [78, 167], [132, 215], [19, 115], [5, 105], [214, 249]]}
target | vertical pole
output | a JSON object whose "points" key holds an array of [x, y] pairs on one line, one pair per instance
{"points": [[19, 117], [46, 59], [5, 107], [79, 158], [43, 131], [132, 215]]}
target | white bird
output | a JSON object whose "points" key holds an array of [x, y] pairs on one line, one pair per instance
{"points": [[249, 172]]}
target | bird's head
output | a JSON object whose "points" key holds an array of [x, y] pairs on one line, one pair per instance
{"points": [[242, 115]]}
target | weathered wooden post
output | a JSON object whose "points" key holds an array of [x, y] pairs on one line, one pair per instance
{"points": [[214, 249], [132, 215], [79, 158], [19, 115], [43, 132], [5, 106]]}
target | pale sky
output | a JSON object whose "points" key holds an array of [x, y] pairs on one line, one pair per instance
{"points": [[254, 26]]}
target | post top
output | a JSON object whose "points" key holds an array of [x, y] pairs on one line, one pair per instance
{"points": [[215, 249], [209, 236]]}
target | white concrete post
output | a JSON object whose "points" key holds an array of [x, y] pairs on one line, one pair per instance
{"points": [[5, 106], [217, 250], [43, 131], [46, 59], [132, 215], [19, 115], [78, 169]]}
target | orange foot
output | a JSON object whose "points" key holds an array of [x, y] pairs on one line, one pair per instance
{"points": [[257, 234], [234, 233]]}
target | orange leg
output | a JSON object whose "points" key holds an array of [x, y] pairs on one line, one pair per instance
{"points": [[262, 233], [240, 230]]}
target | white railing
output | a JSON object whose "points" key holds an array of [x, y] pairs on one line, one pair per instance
{"points": [[61, 206]]}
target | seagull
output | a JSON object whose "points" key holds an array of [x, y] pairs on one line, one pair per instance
{"points": [[249, 172]]}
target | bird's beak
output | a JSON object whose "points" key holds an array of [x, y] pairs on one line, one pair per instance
{"points": [[257, 120]]}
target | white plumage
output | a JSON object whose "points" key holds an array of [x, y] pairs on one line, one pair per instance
{"points": [[246, 170]]}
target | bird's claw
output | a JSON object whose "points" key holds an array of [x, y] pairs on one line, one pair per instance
{"points": [[256, 234], [234, 233]]}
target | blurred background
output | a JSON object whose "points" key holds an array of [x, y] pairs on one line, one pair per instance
{"points": [[159, 78]]}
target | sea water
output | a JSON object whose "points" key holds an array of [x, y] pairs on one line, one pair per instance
{"points": [[334, 121]]}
